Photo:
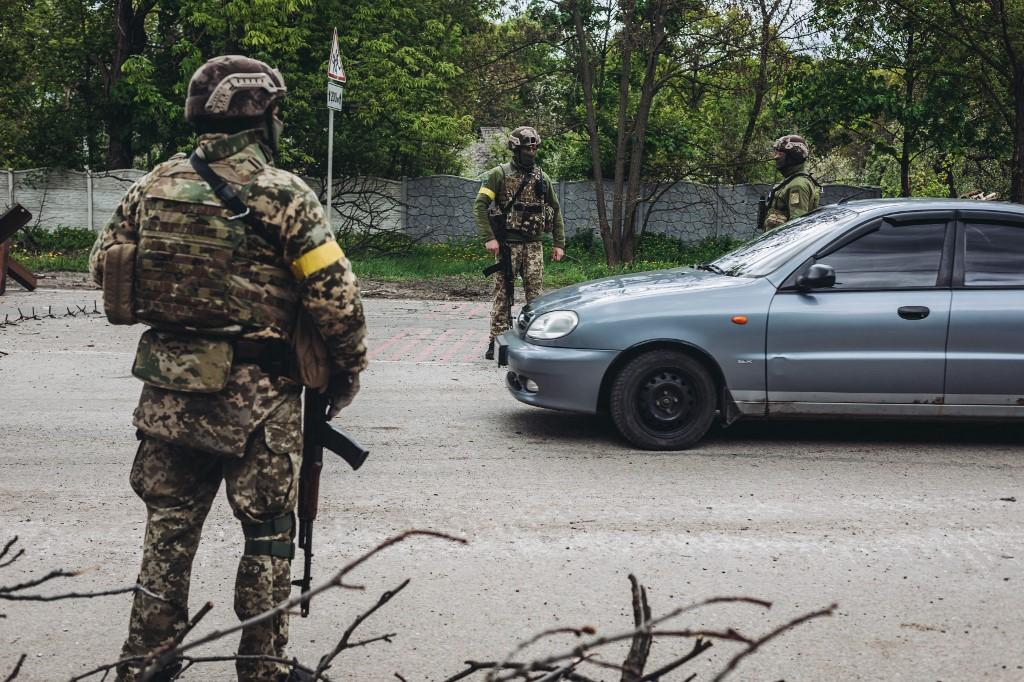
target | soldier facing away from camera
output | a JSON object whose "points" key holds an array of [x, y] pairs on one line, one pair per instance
{"points": [[522, 194], [798, 193], [221, 293]]}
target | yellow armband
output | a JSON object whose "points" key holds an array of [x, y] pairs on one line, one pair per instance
{"points": [[319, 258], [489, 193]]}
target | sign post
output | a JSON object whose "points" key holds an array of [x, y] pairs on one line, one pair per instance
{"points": [[335, 95]]}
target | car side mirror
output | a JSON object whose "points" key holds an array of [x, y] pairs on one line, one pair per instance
{"points": [[818, 276]]}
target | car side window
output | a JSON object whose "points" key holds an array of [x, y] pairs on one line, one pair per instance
{"points": [[894, 256], [993, 254]]}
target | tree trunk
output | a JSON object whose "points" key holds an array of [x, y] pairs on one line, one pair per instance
{"points": [[1017, 170], [587, 74], [628, 8], [643, 112], [129, 40], [739, 173]]}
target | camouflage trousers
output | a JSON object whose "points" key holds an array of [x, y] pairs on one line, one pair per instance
{"points": [[528, 263], [178, 485]]}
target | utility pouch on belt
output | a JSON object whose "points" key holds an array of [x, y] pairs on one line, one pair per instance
{"points": [[311, 360], [181, 362], [119, 284]]}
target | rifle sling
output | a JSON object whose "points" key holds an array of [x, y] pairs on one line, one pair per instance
{"points": [[230, 198]]}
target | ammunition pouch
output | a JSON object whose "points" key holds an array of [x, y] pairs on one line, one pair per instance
{"points": [[529, 208], [183, 362], [119, 284]]}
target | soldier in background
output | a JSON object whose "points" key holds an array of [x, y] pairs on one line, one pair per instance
{"points": [[798, 193], [530, 211], [221, 293]]}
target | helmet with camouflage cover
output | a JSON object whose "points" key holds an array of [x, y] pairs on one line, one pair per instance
{"points": [[523, 135], [233, 87], [795, 149]]}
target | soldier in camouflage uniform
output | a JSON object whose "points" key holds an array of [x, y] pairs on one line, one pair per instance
{"points": [[534, 212], [798, 193], [221, 300]]}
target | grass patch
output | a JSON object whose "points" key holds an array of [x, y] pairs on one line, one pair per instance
{"points": [[584, 261], [67, 248]]}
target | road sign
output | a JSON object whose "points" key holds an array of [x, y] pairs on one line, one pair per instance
{"points": [[335, 70], [334, 95]]}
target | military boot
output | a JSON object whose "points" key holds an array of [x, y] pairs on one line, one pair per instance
{"points": [[489, 354]]}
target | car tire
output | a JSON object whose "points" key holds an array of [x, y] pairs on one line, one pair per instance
{"points": [[663, 400]]}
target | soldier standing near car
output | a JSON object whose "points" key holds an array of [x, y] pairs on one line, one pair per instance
{"points": [[221, 291], [524, 194], [798, 193]]}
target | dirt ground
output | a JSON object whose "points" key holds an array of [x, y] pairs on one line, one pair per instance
{"points": [[441, 289]]}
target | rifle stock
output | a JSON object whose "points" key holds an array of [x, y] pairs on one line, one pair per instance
{"points": [[317, 436]]}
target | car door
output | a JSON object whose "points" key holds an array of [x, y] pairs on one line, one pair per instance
{"points": [[985, 356], [874, 342]]}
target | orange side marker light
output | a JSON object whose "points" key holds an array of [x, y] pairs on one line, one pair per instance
{"points": [[739, 319]]}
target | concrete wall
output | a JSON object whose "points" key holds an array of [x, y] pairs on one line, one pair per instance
{"points": [[435, 208]]}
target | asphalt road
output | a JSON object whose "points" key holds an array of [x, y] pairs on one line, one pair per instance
{"points": [[915, 531]]}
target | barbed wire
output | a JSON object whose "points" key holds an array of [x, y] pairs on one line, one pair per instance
{"points": [[79, 311]]}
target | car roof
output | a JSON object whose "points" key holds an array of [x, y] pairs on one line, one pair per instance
{"points": [[868, 206]]}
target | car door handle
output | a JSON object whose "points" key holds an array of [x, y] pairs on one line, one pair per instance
{"points": [[913, 312]]}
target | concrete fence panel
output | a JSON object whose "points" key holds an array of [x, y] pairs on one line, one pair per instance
{"points": [[435, 208]]}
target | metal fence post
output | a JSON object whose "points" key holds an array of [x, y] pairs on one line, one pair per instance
{"points": [[88, 192], [403, 207], [10, 187]]}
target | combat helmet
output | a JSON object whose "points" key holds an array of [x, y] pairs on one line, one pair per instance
{"points": [[523, 135], [794, 147], [233, 87]]}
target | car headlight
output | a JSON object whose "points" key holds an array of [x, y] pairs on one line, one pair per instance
{"points": [[553, 325]]}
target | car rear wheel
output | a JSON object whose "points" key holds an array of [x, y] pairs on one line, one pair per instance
{"points": [[663, 400]]}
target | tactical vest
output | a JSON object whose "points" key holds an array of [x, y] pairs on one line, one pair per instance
{"points": [[527, 216], [778, 198], [198, 270]]}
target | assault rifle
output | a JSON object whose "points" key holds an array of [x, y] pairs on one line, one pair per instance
{"points": [[762, 211], [317, 434], [504, 264]]}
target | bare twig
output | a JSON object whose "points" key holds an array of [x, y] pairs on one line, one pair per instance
{"points": [[755, 645], [17, 668], [343, 643], [288, 605]]}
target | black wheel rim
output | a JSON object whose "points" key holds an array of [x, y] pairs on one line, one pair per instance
{"points": [[665, 401]]}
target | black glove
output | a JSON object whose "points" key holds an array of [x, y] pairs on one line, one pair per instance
{"points": [[341, 391]]}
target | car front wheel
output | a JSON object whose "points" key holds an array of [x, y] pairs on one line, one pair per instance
{"points": [[663, 400]]}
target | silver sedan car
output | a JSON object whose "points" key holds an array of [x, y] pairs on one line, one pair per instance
{"points": [[884, 308]]}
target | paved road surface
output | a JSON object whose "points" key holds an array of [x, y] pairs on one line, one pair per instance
{"points": [[904, 526]]}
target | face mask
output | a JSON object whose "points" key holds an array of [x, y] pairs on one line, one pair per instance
{"points": [[273, 130], [526, 162]]}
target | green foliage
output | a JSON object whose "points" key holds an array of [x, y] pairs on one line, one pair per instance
{"points": [[66, 248], [63, 239]]}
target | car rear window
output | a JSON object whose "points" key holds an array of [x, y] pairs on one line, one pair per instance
{"points": [[993, 254]]}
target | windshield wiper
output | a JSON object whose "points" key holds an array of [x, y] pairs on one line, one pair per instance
{"points": [[711, 267]]}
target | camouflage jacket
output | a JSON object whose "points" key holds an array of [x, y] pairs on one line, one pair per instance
{"points": [[304, 246], [797, 195], [500, 184]]}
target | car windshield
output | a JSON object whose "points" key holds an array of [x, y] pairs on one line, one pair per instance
{"points": [[765, 254]]}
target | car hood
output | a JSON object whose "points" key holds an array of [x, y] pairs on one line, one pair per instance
{"points": [[624, 287]]}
